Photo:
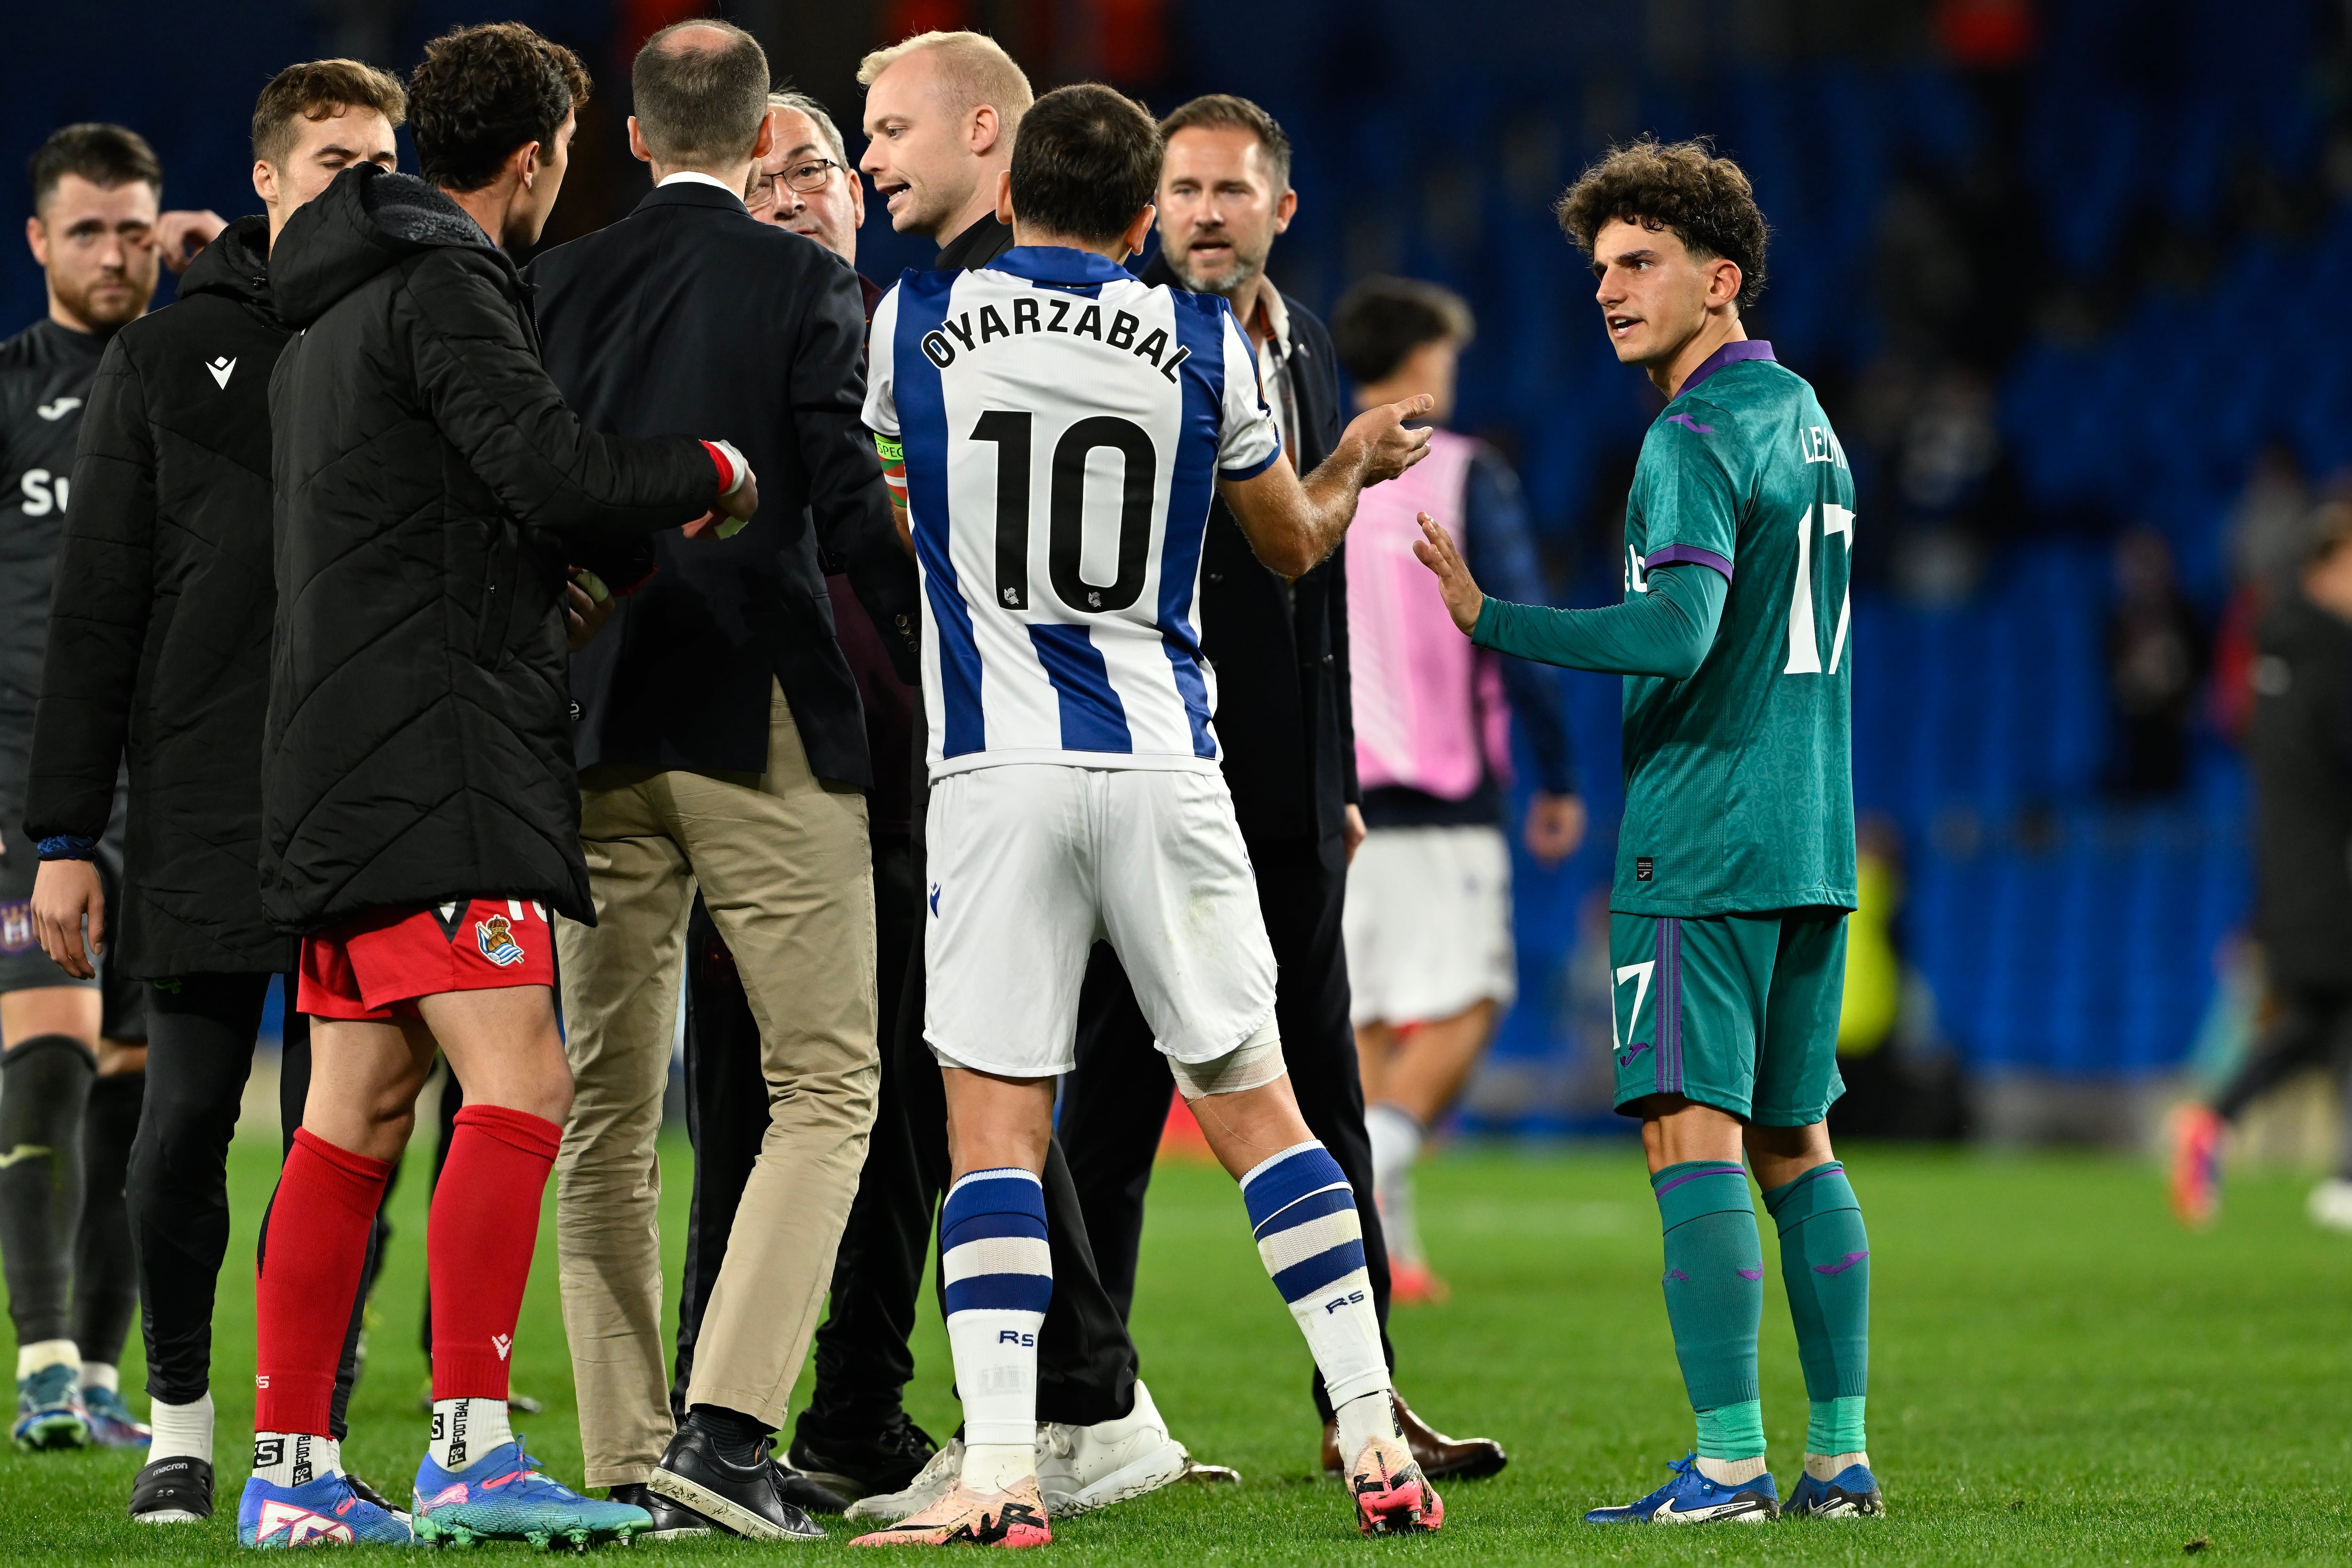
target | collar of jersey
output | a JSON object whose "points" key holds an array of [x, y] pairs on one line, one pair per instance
{"points": [[1730, 354], [1058, 263]]}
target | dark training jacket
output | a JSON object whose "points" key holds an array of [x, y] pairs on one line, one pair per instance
{"points": [[432, 489], [2301, 746], [1286, 716], [159, 628]]}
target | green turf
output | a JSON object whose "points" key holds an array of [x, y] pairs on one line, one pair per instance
{"points": [[2059, 1375]]}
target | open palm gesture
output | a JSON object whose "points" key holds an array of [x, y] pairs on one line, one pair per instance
{"points": [[1437, 551]]}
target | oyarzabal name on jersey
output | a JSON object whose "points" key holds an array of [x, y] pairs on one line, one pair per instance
{"points": [[939, 345]]}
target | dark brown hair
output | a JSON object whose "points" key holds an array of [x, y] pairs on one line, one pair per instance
{"points": [[315, 90], [1381, 320], [481, 92], [1681, 187], [1085, 163], [699, 105], [1229, 111], [105, 155]]}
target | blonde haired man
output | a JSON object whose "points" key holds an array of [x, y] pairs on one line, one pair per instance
{"points": [[940, 112]]}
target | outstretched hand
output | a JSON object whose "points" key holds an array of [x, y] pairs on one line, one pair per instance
{"points": [[1389, 447], [1436, 551]]}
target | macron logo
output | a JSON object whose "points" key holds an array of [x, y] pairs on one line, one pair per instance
{"points": [[500, 1342], [222, 368]]}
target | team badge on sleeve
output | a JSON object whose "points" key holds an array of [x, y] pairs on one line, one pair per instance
{"points": [[496, 937], [16, 927]]}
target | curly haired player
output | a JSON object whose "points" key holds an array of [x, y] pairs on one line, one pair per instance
{"points": [[1735, 861]]}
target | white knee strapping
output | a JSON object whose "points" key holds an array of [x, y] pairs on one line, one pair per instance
{"points": [[1257, 1061]]}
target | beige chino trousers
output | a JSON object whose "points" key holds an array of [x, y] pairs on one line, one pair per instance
{"points": [[785, 867]]}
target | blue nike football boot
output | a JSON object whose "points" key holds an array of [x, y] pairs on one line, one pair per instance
{"points": [[321, 1512], [1854, 1494], [1691, 1498], [48, 1409], [112, 1424], [504, 1496]]}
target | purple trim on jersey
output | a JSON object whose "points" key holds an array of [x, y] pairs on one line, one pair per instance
{"points": [[1730, 354], [923, 429], [1672, 554], [1670, 1006], [1061, 266], [1191, 486], [1093, 718], [1687, 423]]}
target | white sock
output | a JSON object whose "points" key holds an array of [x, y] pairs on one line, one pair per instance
{"points": [[1732, 1472], [42, 1355], [295, 1458], [98, 1375], [1363, 1418], [182, 1431], [1311, 1240], [466, 1429], [1396, 1147], [999, 1273], [1828, 1466]]}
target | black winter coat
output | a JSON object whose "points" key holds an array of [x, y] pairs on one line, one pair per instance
{"points": [[159, 628], [432, 489], [1285, 717], [2302, 748]]}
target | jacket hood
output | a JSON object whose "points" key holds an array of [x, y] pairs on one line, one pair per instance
{"points": [[368, 220], [235, 265]]}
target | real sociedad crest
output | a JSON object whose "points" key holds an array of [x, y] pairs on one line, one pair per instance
{"points": [[15, 928], [496, 937]]}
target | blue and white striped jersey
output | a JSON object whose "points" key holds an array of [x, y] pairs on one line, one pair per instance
{"points": [[1064, 425]]}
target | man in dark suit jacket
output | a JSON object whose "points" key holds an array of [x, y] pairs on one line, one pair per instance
{"points": [[1285, 723], [721, 744]]}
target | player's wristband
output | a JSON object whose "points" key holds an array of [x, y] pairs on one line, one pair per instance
{"points": [[68, 847]]}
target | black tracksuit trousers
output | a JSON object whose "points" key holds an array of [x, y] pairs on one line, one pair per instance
{"points": [[200, 1037]]}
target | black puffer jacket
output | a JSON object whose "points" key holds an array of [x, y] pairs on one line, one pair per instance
{"points": [[2302, 749], [159, 628], [431, 488]]}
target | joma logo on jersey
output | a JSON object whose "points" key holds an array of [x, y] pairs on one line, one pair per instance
{"points": [[940, 344]]}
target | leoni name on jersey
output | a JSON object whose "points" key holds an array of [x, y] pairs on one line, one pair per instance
{"points": [[941, 349]]}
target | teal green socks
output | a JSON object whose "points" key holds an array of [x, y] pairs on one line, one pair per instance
{"points": [[1825, 1263], [1715, 1298]]}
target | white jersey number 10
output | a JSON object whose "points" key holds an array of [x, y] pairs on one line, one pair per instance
{"points": [[1804, 641]]}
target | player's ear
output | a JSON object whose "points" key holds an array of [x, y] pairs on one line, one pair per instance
{"points": [[1723, 289], [37, 239], [1140, 231], [761, 144], [637, 148], [1004, 195], [265, 182], [1284, 208]]}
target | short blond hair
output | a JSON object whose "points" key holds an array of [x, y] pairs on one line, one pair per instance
{"points": [[973, 66]]}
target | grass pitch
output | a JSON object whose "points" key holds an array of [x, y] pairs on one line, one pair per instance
{"points": [[2059, 1375]]}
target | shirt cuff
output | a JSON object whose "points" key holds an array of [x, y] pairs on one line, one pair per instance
{"points": [[1252, 470], [68, 847]]}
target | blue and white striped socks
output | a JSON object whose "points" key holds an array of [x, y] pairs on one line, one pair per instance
{"points": [[1312, 1242], [1000, 1277]]}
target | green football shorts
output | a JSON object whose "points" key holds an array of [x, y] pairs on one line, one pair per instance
{"points": [[1737, 1011]]}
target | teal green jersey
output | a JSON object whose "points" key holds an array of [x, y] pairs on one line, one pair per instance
{"points": [[1739, 780]]}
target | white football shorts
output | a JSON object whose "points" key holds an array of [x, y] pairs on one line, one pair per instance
{"points": [[1428, 924], [1031, 863]]}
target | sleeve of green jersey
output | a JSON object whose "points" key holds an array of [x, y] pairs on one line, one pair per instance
{"points": [[1684, 491], [1666, 632]]}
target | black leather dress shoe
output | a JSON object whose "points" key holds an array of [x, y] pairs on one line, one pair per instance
{"points": [[884, 1459], [672, 1520], [177, 1490], [1441, 1458], [743, 1499], [805, 1492]]}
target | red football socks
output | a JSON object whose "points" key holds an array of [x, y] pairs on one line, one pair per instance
{"points": [[478, 1245], [314, 1247]]}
